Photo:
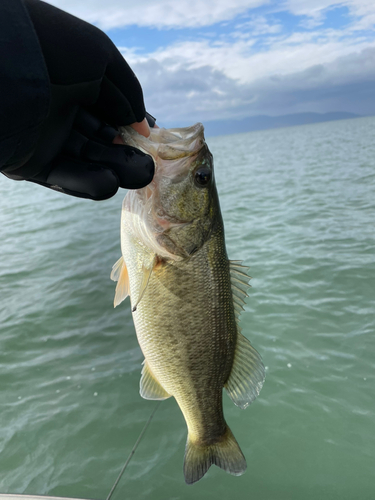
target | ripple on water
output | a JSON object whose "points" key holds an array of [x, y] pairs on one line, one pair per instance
{"points": [[298, 207]]}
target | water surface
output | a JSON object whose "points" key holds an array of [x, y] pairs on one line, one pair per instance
{"points": [[299, 209]]}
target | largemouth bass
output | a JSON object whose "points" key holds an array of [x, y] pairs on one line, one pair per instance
{"points": [[186, 296]]}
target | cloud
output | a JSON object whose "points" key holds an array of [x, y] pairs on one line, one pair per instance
{"points": [[364, 13], [180, 96], [186, 94], [240, 60], [160, 14], [361, 13], [258, 25], [311, 8], [166, 14]]}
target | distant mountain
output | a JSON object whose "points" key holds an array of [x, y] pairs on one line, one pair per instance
{"points": [[262, 122]]}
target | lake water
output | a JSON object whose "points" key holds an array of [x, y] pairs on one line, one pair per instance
{"points": [[299, 209]]}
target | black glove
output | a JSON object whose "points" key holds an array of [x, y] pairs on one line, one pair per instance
{"points": [[92, 90]]}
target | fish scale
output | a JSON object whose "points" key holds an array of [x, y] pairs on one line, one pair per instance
{"points": [[208, 318], [186, 297]]}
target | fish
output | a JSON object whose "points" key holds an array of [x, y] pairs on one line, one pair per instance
{"points": [[186, 296]]}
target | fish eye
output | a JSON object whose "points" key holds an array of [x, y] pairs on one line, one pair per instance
{"points": [[202, 176]]}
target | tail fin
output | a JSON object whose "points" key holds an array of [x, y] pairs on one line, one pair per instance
{"points": [[225, 453]]}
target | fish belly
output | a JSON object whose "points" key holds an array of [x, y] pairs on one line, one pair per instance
{"points": [[186, 329]]}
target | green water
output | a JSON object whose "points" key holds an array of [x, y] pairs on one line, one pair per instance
{"points": [[299, 209]]}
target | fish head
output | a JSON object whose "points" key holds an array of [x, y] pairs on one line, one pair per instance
{"points": [[183, 203], [177, 211]]}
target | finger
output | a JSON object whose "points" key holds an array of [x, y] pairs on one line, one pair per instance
{"points": [[90, 126], [151, 120], [151, 124], [113, 107], [133, 168], [141, 127], [118, 140], [79, 178], [121, 92]]}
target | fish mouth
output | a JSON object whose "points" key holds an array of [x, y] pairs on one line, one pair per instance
{"points": [[170, 149]]}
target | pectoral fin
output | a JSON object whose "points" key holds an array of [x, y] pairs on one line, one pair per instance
{"points": [[247, 375], [120, 274], [146, 274], [150, 388]]}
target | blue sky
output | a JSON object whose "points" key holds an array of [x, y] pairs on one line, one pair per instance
{"points": [[201, 60]]}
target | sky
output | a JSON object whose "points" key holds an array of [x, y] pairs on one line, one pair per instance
{"points": [[202, 60]]}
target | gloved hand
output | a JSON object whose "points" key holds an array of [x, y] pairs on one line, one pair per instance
{"points": [[92, 91]]}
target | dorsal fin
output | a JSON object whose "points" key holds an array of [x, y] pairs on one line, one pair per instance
{"points": [[247, 375], [240, 283]]}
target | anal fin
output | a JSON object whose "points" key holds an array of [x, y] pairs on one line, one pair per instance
{"points": [[150, 388], [247, 375]]}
